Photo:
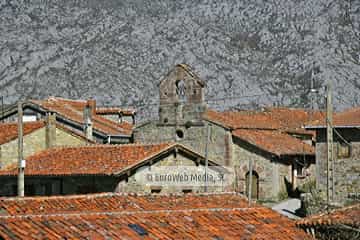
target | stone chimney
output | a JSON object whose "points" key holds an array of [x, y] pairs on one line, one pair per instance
{"points": [[88, 113], [92, 104], [50, 134]]}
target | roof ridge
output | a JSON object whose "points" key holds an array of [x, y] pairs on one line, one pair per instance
{"points": [[125, 194], [129, 212]]}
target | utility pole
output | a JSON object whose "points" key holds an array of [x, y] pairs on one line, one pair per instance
{"points": [[2, 108], [250, 180], [330, 147], [206, 155], [21, 161]]}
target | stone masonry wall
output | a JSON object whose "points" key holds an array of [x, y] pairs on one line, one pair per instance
{"points": [[346, 170], [35, 142], [271, 172], [195, 137], [132, 185]]}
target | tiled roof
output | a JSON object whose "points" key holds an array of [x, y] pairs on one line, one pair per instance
{"points": [[9, 131], [73, 110], [112, 216], [348, 216], [286, 119], [348, 118], [114, 110], [243, 119], [274, 141], [87, 160]]}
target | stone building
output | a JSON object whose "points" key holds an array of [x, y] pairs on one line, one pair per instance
{"points": [[273, 139], [102, 125], [344, 174], [38, 135], [115, 168]]}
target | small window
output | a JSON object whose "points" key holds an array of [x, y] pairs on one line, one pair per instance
{"points": [[186, 191], [166, 120], [343, 150], [138, 229], [180, 134], [156, 190]]}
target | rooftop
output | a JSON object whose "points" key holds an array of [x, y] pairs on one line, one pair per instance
{"points": [[9, 131], [347, 118], [74, 110], [348, 216], [275, 142], [87, 160], [114, 216]]}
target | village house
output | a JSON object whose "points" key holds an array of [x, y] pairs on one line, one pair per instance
{"points": [[131, 216], [344, 171], [273, 139], [37, 136], [114, 168], [102, 125]]}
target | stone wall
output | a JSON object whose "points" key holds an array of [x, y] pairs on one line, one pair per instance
{"points": [[194, 137], [271, 172], [346, 170], [35, 142], [131, 184]]}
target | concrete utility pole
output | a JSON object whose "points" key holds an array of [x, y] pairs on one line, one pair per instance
{"points": [[250, 180], [206, 155], [330, 146], [21, 161]]}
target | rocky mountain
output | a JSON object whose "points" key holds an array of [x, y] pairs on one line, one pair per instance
{"points": [[250, 52]]}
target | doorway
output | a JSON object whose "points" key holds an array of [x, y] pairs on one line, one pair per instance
{"points": [[254, 184]]}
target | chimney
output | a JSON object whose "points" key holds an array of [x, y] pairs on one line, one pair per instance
{"points": [[88, 110], [92, 104], [50, 140]]}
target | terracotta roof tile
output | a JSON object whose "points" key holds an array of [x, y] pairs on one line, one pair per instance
{"points": [[243, 119], [115, 216], [274, 141], [348, 118], [348, 215], [9, 131], [286, 119], [73, 110], [87, 160]]}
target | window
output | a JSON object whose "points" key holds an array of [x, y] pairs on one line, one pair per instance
{"points": [[156, 190], [186, 191], [343, 150], [180, 134]]}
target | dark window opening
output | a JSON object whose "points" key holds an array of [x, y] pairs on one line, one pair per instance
{"points": [[156, 190], [186, 191], [181, 89], [166, 120], [138, 229], [180, 134]]}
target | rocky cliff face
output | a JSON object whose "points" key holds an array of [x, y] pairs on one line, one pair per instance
{"points": [[250, 52]]}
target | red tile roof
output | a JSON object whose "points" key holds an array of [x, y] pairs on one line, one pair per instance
{"points": [[274, 141], [73, 110], [9, 131], [114, 110], [112, 216], [348, 118], [87, 160], [243, 119], [348, 216], [287, 119]]}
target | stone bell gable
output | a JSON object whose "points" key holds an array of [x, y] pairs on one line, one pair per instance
{"points": [[181, 96]]}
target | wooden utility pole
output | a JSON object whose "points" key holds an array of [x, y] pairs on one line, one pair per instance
{"points": [[21, 161], [206, 155], [330, 147], [250, 180]]}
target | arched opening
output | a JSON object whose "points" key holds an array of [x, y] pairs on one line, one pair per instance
{"points": [[254, 184], [181, 90], [179, 134]]}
